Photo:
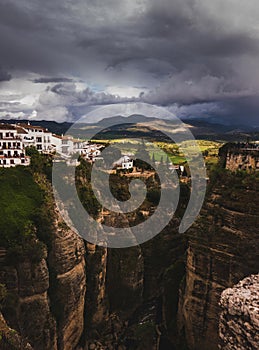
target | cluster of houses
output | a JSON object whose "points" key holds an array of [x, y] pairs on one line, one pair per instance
{"points": [[15, 138]]}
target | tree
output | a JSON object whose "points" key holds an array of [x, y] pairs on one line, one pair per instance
{"points": [[205, 153], [142, 157]]}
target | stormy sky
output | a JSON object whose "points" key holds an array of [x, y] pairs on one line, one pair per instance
{"points": [[198, 58]]}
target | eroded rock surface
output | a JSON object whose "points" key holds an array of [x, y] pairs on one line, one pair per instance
{"points": [[239, 320]]}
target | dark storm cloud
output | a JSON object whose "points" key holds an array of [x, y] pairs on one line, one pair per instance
{"points": [[45, 80], [86, 96], [4, 75], [183, 52]]}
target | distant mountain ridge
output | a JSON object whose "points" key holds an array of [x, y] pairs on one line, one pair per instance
{"points": [[199, 127]]}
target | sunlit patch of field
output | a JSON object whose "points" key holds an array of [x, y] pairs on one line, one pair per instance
{"points": [[160, 150]]}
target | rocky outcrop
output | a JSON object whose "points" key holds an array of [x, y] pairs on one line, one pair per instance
{"points": [[223, 249], [45, 299], [243, 160], [10, 339], [27, 306], [240, 156], [239, 320]]}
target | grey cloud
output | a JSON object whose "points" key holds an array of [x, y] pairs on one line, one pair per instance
{"points": [[63, 100], [45, 80], [185, 52], [87, 96], [4, 75]]}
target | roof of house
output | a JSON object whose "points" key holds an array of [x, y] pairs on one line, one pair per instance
{"points": [[35, 127], [124, 159], [57, 136], [20, 130], [6, 126]]}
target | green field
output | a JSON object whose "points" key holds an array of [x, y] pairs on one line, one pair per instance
{"points": [[162, 149]]}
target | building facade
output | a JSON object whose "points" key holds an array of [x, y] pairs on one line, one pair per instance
{"points": [[36, 136], [15, 138], [12, 149], [124, 163]]}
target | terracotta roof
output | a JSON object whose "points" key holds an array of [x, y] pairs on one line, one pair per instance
{"points": [[57, 136], [29, 126], [21, 130], [6, 127]]}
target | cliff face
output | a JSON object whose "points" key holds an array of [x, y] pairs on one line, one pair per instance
{"points": [[223, 248], [239, 320], [68, 285], [28, 309], [76, 295], [243, 160], [10, 339], [67, 294], [46, 299]]}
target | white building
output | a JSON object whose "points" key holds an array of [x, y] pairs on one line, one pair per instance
{"points": [[15, 138], [36, 136], [124, 162], [12, 150], [67, 145]]}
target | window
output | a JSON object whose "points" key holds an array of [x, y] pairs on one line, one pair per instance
{"points": [[38, 139]]}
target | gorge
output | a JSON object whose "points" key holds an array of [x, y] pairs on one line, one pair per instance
{"points": [[58, 292]]}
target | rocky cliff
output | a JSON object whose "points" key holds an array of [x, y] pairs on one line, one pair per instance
{"points": [[10, 339], [243, 160], [239, 320], [60, 293], [223, 248], [45, 299], [66, 263]]}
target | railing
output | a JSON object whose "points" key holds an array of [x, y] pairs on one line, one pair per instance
{"points": [[11, 138], [22, 155], [11, 148]]}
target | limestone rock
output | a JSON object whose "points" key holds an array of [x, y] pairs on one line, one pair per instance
{"points": [[239, 320]]}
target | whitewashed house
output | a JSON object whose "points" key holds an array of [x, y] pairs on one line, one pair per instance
{"points": [[12, 150], [124, 163], [67, 146], [15, 138], [36, 136], [56, 142]]}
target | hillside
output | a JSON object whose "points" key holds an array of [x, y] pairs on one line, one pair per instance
{"points": [[201, 129]]}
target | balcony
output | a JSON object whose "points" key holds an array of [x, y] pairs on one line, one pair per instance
{"points": [[10, 138]]}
